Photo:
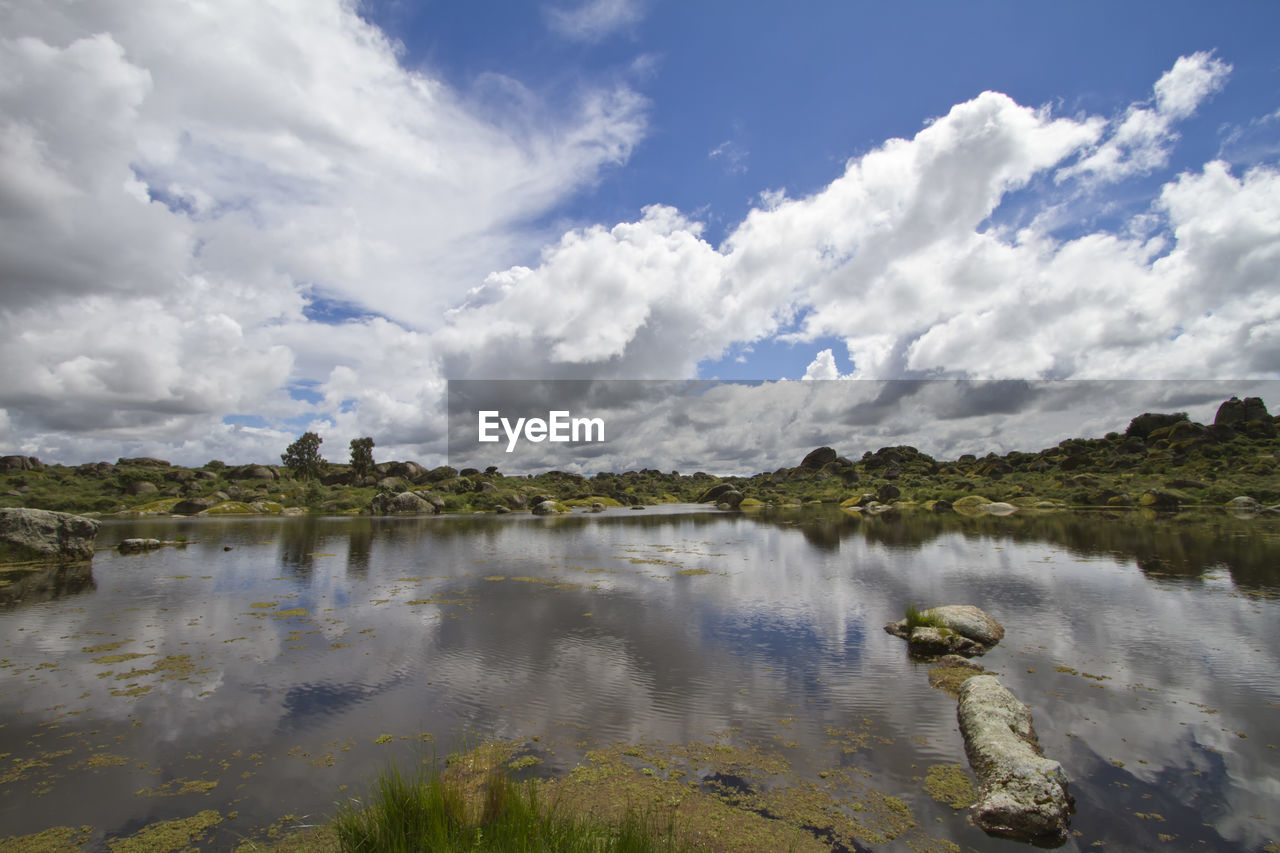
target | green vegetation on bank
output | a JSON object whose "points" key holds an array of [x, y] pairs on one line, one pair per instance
{"points": [[1161, 461]]}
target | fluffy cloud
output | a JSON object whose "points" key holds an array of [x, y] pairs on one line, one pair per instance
{"points": [[197, 201], [176, 222], [1139, 142]]}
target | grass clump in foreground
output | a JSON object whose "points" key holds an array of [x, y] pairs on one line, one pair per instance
{"points": [[445, 812]]}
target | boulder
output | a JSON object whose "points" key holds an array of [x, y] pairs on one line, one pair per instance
{"points": [[251, 472], [729, 500], [191, 506], [815, 459], [942, 507], [1157, 499], [141, 487], [927, 641], [887, 493], [960, 629], [19, 463], [38, 534], [1148, 422], [132, 546], [1023, 795], [998, 508], [544, 508], [405, 502], [411, 471], [714, 493], [596, 506], [1236, 411], [1244, 503]]}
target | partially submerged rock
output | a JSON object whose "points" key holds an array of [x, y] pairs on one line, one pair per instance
{"points": [[950, 629], [133, 546], [1023, 795], [41, 535]]}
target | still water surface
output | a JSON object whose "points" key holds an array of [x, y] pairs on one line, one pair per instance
{"points": [[259, 680]]}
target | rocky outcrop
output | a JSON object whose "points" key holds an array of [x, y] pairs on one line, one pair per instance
{"points": [[1236, 411], [251, 472], [19, 463], [1148, 422], [815, 459], [403, 503], [950, 629], [1023, 795], [41, 535]]}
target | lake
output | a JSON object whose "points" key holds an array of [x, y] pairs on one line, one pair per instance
{"points": [[272, 661]]}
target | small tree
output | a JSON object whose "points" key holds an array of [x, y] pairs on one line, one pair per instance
{"points": [[361, 456], [303, 456]]}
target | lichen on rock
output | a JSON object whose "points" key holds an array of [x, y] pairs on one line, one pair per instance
{"points": [[1023, 795]]}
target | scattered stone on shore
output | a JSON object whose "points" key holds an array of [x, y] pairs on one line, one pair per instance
{"points": [[42, 535], [1022, 794], [956, 629], [1157, 499]]}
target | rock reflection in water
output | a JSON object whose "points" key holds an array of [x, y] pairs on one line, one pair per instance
{"points": [[317, 649]]}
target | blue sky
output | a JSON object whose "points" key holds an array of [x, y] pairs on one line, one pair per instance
{"points": [[316, 213]]}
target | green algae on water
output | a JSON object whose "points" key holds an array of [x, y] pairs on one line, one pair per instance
{"points": [[168, 836], [949, 784]]}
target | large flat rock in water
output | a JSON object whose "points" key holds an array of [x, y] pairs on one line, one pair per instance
{"points": [[960, 629], [1023, 794], [41, 535]]}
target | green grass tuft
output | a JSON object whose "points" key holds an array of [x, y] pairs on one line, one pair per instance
{"points": [[917, 618], [433, 811]]}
